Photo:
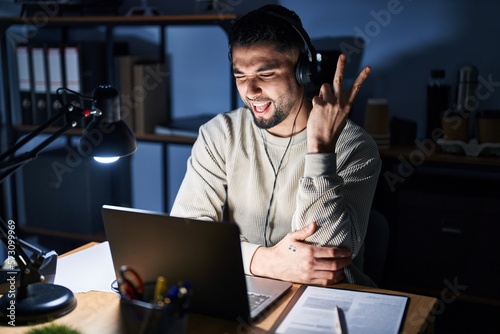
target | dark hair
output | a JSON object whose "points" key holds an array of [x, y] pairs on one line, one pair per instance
{"points": [[262, 27]]}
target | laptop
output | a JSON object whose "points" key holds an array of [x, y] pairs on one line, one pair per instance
{"points": [[207, 254]]}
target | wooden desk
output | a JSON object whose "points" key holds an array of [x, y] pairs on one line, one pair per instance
{"points": [[98, 312]]}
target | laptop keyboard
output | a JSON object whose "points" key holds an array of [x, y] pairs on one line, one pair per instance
{"points": [[256, 299]]}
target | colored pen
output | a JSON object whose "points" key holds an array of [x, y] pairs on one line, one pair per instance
{"points": [[160, 288]]}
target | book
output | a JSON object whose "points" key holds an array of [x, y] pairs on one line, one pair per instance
{"points": [[125, 83], [149, 96], [184, 127], [314, 309]]}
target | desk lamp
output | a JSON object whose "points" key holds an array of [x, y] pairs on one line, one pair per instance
{"points": [[30, 298]]}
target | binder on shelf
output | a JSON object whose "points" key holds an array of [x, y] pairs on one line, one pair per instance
{"points": [[24, 84], [149, 95], [93, 69], [72, 79], [85, 68], [92, 66], [72, 68], [54, 61], [40, 84]]}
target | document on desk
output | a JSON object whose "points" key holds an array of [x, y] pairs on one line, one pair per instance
{"points": [[90, 269], [313, 310]]}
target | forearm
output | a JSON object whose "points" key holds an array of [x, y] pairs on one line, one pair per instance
{"points": [[340, 204]]}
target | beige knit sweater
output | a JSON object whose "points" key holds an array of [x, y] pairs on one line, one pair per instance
{"points": [[232, 165]]}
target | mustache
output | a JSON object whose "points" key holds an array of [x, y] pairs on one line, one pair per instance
{"points": [[259, 99]]}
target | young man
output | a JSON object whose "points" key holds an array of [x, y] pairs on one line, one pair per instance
{"points": [[295, 174]]}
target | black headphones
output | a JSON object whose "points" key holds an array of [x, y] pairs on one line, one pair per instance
{"points": [[306, 66]]}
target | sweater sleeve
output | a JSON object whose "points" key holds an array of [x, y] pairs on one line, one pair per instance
{"points": [[337, 190], [247, 252]]}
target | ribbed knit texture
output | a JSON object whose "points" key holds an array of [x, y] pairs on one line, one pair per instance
{"points": [[335, 190]]}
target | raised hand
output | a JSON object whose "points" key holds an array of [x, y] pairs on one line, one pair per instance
{"points": [[331, 109]]}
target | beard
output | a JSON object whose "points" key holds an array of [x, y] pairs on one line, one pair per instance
{"points": [[282, 109]]}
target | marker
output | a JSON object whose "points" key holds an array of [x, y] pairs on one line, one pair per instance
{"points": [[161, 286]]}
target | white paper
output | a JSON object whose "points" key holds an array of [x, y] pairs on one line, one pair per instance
{"points": [[361, 312], [88, 270]]}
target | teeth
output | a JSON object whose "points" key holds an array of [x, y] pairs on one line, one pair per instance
{"points": [[260, 107]]}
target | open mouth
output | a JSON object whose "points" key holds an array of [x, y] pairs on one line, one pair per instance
{"points": [[261, 107]]}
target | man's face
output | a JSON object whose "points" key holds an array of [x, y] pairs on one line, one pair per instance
{"points": [[265, 79]]}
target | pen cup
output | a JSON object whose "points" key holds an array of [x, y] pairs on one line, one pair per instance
{"points": [[140, 316]]}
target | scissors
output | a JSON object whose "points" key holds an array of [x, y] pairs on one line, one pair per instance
{"points": [[130, 284]]}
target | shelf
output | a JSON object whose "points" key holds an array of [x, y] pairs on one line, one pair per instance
{"points": [[195, 19], [63, 25], [441, 157]]}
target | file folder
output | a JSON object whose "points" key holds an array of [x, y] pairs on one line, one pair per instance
{"points": [[72, 79], [72, 68], [24, 84], [40, 85], [54, 61]]}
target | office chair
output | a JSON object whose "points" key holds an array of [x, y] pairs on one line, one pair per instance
{"points": [[376, 245]]}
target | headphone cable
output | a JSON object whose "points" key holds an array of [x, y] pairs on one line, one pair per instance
{"points": [[276, 171]]}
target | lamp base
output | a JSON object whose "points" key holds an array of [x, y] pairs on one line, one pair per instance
{"points": [[40, 302]]}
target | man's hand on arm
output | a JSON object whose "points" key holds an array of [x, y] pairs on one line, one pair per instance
{"points": [[296, 261]]}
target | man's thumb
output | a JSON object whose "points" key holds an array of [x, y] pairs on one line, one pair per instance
{"points": [[306, 231]]}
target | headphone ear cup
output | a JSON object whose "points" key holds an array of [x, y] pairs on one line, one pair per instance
{"points": [[303, 70]]}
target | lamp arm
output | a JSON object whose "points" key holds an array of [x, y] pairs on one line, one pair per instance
{"points": [[67, 110], [33, 134], [73, 115], [10, 166]]}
